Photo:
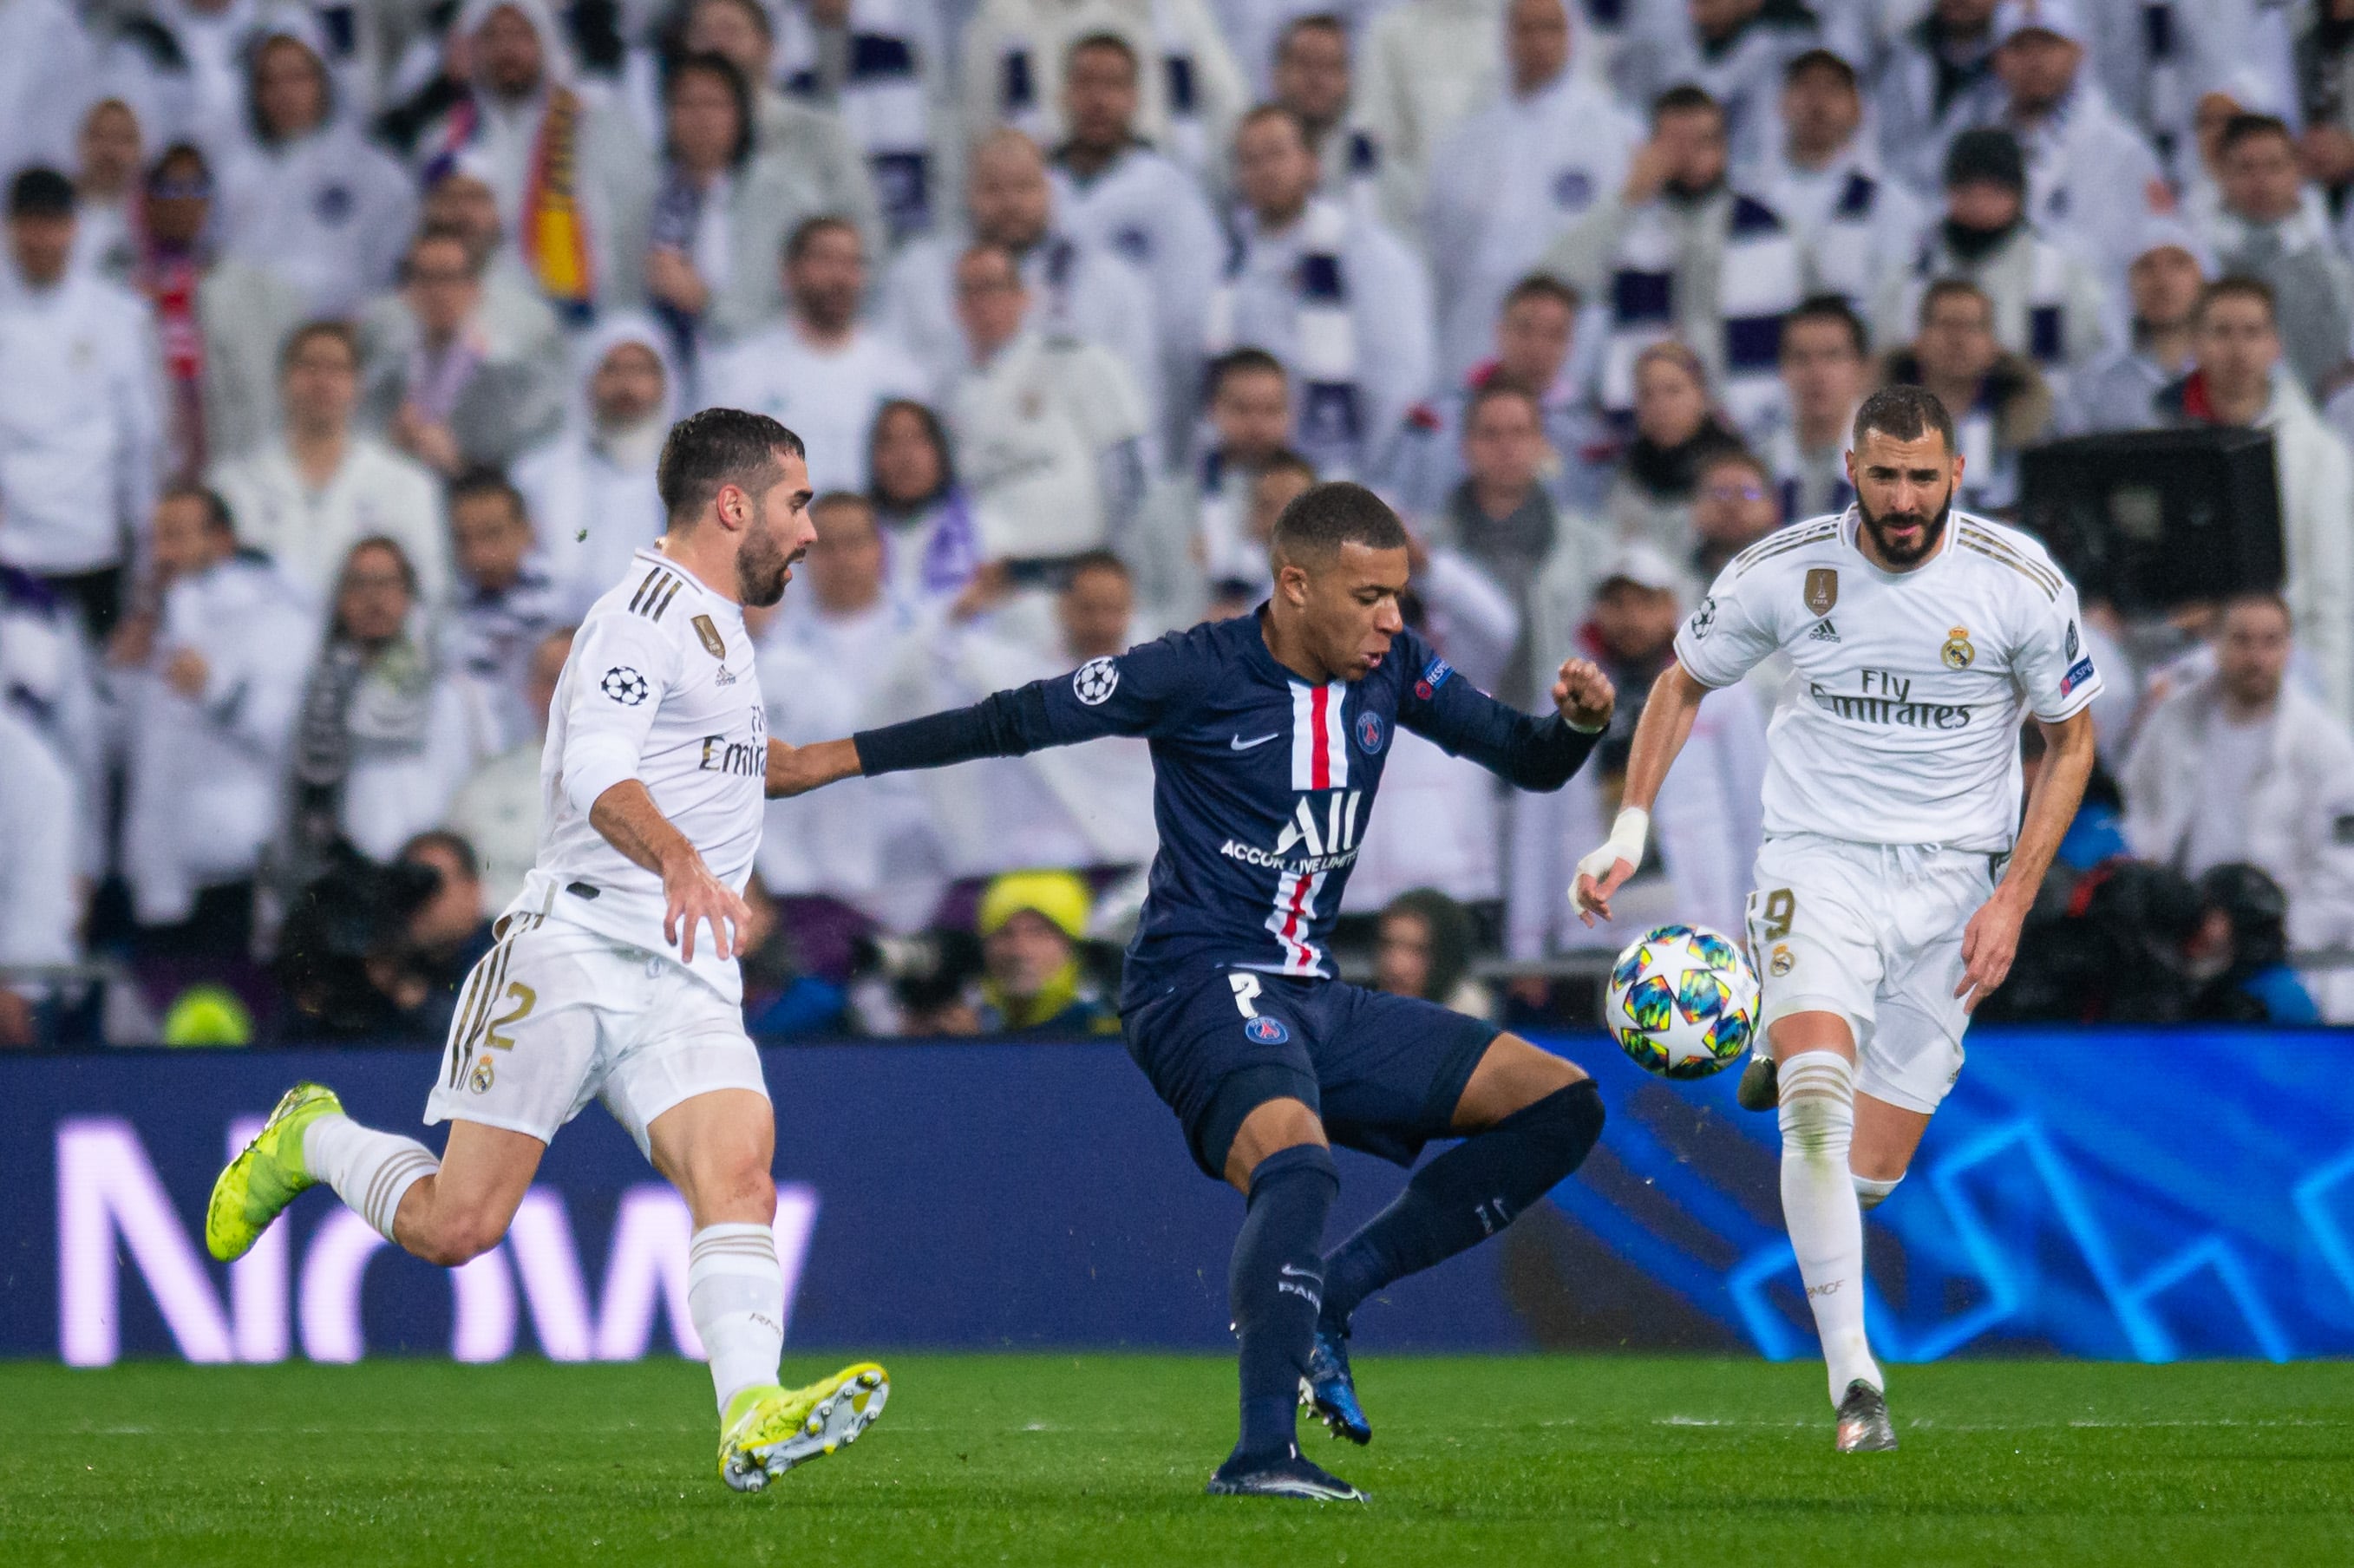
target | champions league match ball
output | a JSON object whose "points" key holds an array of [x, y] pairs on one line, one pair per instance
{"points": [[1682, 1002]]}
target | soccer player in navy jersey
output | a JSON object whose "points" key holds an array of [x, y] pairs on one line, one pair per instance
{"points": [[1268, 735]]}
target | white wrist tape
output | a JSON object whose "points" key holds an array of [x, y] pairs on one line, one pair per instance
{"points": [[1627, 836]]}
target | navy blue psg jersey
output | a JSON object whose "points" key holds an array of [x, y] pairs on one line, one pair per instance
{"points": [[1262, 782]]}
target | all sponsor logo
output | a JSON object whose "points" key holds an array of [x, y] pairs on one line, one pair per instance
{"points": [[1822, 589], [709, 635], [2078, 673], [1326, 838], [1434, 676]]}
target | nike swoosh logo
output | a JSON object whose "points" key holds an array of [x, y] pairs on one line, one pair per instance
{"points": [[1239, 743], [1298, 1273]]}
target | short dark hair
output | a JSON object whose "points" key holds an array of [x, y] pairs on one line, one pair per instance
{"points": [[715, 448], [1685, 97], [1102, 40], [1820, 59], [41, 192], [710, 63], [2238, 286], [341, 331], [1542, 286], [1257, 113], [390, 547], [1908, 413], [442, 234], [2248, 127], [1098, 560], [1321, 21], [217, 516], [484, 480], [1323, 517], [1245, 361], [834, 500], [1500, 388], [179, 153], [1830, 308], [1735, 454], [1945, 289], [806, 231], [1288, 459], [443, 839]]}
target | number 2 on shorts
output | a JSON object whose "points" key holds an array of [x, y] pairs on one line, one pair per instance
{"points": [[1246, 986], [525, 999], [1779, 906]]}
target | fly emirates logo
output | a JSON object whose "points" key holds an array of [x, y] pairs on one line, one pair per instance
{"points": [[1886, 697], [1324, 845]]}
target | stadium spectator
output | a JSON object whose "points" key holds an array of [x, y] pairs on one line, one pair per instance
{"points": [[1823, 175], [1279, 482], [208, 692], [822, 371], [803, 136], [571, 173], [1932, 70], [459, 199], [2000, 404], [2153, 57], [844, 867], [1049, 430], [1081, 291], [1423, 65], [506, 601], [81, 419], [1334, 296], [1423, 946], [107, 171], [1535, 337], [305, 194], [1707, 822], [2243, 766], [385, 735], [440, 381], [2092, 178], [40, 907], [46, 679], [219, 319], [1736, 505], [42, 45], [1735, 51], [1073, 806], [311, 493], [1677, 252], [2048, 304], [592, 490], [880, 67], [2241, 954], [448, 931], [932, 546], [1312, 77], [2325, 94], [2119, 391], [2267, 228], [1676, 430], [497, 809], [1031, 923], [1826, 365], [2237, 382], [1192, 94], [1506, 180], [1117, 192], [1195, 535]]}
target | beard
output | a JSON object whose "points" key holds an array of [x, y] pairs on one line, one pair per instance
{"points": [[1931, 530], [762, 568]]}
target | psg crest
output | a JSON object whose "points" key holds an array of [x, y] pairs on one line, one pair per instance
{"points": [[1265, 1031]]}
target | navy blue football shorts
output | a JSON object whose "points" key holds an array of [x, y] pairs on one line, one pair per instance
{"points": [[1383, 1072]]}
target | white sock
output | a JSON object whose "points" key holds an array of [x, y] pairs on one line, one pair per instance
{"points": [[1818, 1203], [736, 1293], [1871, 1192], [370, 1170]]}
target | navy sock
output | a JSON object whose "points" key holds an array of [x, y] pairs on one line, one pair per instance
{"points": [[1276, 1285], [1464, 1196]]}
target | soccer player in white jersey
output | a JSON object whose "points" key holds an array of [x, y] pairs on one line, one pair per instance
{"points": [[614, 975], [1896, 868]]}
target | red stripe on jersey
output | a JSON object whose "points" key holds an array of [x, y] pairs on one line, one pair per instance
{"points": [[1321, 776]]}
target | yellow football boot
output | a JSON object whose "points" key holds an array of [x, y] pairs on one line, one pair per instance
{"points": [[771, 1429], [266, 1175]]}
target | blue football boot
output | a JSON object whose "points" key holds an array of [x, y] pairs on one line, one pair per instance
{"points": [[1285, 1475], [1330, 1388]]}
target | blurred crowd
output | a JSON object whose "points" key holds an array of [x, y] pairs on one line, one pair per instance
{"points": [[338, 342]]}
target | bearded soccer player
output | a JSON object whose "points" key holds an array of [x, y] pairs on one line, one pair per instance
{"points": [[1896, 869], [601, 984], [1268, 735]]}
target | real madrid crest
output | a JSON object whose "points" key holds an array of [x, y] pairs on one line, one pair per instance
{"points": [[1957, 652], [481, 1078], [1780, 962], [1822, 589]]}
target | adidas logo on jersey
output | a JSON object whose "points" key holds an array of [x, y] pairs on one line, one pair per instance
{"points": [[1824, 631]]}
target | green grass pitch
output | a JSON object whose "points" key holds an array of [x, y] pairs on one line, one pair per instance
{"points": [[1100, 1459]]}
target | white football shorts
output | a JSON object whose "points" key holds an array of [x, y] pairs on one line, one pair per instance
{"points": [[1874, 932], [554, 1017]]}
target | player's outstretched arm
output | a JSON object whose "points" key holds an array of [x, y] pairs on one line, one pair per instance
{"points": [[1990, 941], [1659, 736], [798, 769], [626, 814]]}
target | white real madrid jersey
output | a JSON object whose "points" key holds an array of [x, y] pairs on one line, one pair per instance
{"points": [[1902, 725], [661, 687]]}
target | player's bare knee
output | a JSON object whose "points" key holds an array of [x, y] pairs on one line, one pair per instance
{"points": [[452, 1237], [1512, 1075], [1272, 1127]]}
